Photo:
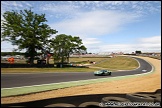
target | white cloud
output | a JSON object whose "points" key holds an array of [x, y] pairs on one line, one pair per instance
{"points": [[94, 23], [4, 3], [83, 22], [89, 41], [151, 44], [116, 48], [11, 3], [7, 47], [26, 3], [151, 40], [59, 9], [69, 8]]}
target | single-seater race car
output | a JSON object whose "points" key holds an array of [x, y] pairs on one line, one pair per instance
{"points": [[102, 72]]}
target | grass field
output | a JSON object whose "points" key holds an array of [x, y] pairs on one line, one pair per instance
{"points": [[86, 59], [119, 63], [37, 70], [115, 63]]}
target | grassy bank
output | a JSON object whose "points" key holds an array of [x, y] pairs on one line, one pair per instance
{"points": [[119, 63], [36, 70], [115, 63]]}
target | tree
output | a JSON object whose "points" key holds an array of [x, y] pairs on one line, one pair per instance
{"points": [[64, 45], [27, 30]]}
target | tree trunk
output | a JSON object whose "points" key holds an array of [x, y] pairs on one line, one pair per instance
{"points": [[32, 60], [68, 57], [32, 54], [62, 60]]}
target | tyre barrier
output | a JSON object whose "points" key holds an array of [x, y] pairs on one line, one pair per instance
{"points": [[158, 100], [112, 101], [139, 98], [157, 97], [99, 100], [145, 98], [61, 105], [90, 104], [158, 91]]}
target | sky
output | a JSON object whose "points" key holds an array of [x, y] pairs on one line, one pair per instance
{"points": [[103, 26]]}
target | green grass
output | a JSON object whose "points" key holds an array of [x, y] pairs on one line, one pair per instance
{"points": [[119, 63], [34, 70], [81, 59], [115, 63]]}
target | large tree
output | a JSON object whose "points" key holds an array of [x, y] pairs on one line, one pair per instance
{"points": [[64, 45], [27, 30]]}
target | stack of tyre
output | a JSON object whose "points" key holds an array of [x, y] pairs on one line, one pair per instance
{"points": [[109, 101]]}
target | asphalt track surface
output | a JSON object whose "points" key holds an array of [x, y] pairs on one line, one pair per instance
{"points": [[18, 80]]}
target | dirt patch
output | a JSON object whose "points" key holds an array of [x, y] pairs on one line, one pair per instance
{"points": [[146, 83]]}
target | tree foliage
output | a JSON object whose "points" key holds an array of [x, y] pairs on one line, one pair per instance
{"points": [[64, 45], [27, 30]]}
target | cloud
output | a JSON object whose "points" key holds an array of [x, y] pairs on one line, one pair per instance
{"points": [[91, 20], [7, 47], [94, 23], [150, 44], [116, 48], [11, 3], [151, 40], [61, 10], [69, 8], [26, 3], [89, 41]]}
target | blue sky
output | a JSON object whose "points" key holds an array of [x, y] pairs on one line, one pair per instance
{"points": [[103, 26]]}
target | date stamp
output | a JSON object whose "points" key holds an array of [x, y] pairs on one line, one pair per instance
{"points": [[129, 104]]}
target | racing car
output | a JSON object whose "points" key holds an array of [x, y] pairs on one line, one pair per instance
{"points": [[102, 72]]}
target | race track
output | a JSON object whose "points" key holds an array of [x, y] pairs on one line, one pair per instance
{"points": [[18, 80]]}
